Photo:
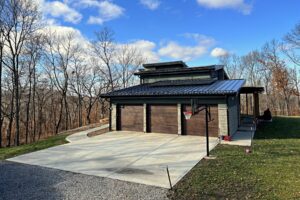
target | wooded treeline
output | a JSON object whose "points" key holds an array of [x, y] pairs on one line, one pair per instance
{"points": [[275, 66], [51, 81]]}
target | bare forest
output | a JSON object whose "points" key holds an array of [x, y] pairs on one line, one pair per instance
{"points": [[51, 82], [275, 66]]}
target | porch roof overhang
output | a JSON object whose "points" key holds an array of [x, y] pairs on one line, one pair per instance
{"points": [[251, 90]]}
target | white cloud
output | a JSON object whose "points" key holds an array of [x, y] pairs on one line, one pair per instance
{"points": [[95, 20], [61, 31], [217, 52], [66, 9], [59, 9], [174, 50], [147, 49], [86, 3], [107, 10], [239, 5], [201, 39], [151, 4], [186, 53]]}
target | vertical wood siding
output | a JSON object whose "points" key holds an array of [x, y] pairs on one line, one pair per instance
{"points": [[131, 117], [196, 125], [163, 119]]}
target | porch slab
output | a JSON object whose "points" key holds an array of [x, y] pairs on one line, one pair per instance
{"points": [[241, 138]]}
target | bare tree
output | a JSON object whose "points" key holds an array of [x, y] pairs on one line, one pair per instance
{"points": [[93, 87], [129, 59], [7, 101], [104, 49], [60, 56], [291, 48], [2, 40], [36, 95], [271, 61], [253, 66], [294, 75], [44, 95], [77, 80], [233, 66], [19, 25], [33, 53], [292, 45]]}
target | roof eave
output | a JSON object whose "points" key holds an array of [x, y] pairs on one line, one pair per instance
{"points": [[172, 95]]}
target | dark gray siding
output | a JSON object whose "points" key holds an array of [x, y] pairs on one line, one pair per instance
{"points": [[153, 79], [233, 115]]}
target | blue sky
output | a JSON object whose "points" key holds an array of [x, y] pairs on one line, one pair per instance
{"points": [[196, 31]]}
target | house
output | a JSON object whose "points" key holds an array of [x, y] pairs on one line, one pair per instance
{"points": [[170, 90]]}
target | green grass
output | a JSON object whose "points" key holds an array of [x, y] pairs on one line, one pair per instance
{"points": [[9, 152], [271, 171]]}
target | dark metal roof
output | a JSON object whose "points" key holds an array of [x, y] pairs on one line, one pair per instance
{"points": [[179, 70], [220, 87]]}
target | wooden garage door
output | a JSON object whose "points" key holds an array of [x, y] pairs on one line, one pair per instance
{"points": [[196, 125], [163, 119], [130, 117]]}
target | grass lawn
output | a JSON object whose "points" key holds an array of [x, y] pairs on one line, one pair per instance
{"points": [[272, 171], [26, 148]]}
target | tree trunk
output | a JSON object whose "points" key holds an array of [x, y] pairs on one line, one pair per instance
{"points": [[79, 110], [111, 81], [287, 102], [28, 111], [60, 116], [88, 114], [66, 112], [1, 120], [103, 111], [33, 105], [40, 120], [11, 119], [17, 102], [298, 97]]}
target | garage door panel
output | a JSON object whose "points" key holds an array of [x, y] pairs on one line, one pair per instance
{"points": [[196, 125], [131, 117], [163, 119]]}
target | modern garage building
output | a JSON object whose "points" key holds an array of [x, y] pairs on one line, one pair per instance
{"points": [[167, 90]]}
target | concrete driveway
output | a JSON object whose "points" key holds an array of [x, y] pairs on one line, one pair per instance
{"points": [[128, 156]]}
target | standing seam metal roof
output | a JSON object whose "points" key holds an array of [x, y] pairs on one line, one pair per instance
{"points": [[220, 87]]}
